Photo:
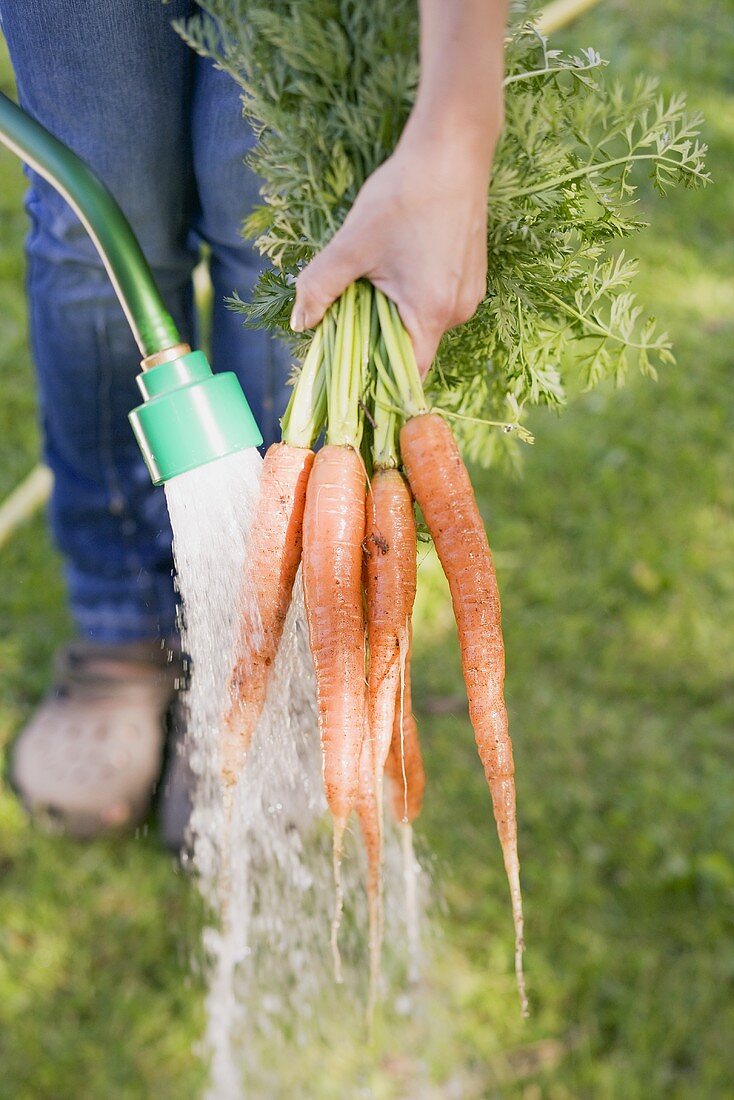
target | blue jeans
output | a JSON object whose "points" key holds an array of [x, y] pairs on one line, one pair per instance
{"points": [[164, 130]]}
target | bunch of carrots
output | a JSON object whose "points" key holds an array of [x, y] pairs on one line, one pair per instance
{"points": [[346, 514]]}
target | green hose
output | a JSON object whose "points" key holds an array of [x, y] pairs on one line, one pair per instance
{"points": [[189, 416], [152, 326]]}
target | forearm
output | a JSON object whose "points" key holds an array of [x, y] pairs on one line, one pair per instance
{"points": [[459, 99], [418, 227]]}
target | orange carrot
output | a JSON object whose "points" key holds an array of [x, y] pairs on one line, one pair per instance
{"points": [[390, 583], [370, 820], [441, 485], [272, 560], [366, 807], [404, 765], [333, 533]]}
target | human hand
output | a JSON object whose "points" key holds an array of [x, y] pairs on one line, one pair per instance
{"points": [[418, 232]]}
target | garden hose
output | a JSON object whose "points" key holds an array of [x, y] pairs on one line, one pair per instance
{"points": [[151, 324], [189, 416]]}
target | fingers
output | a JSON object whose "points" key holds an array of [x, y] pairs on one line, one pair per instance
{"points": [[325, 278], [430, 296]]}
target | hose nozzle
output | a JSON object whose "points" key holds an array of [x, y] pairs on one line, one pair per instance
{"points": [[190, 416]]}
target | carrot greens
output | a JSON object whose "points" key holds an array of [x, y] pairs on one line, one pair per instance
{"points": [[327, 86]]}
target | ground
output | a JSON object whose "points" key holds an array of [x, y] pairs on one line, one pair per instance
{"points": [[616, 561]]}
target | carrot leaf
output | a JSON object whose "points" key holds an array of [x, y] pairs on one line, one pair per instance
{"points": [[327, 86]]}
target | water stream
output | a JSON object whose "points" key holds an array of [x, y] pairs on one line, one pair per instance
{"points": [[266, 873]]}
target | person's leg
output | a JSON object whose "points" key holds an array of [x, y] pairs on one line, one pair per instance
{"points": [[113, 81], [227, 192]]}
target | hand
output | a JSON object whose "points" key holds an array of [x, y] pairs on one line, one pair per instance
{"points": [[418, 232]]}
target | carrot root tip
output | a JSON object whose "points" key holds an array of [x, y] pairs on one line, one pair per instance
{"points": [[520, 979], [337, 850], [513, 874]]}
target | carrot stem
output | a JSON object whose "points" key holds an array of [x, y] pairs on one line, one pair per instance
{"points": [[304, 417], [346, 372], [402, 357], [390, 399], [384, 443], [364, 291]]}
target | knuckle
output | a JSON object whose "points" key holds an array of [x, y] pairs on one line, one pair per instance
{"points": [[439, 307], [409, 315], [464, 309], [467, 302]]}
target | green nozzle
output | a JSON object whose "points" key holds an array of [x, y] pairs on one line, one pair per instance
{"points": [[190, 416]]}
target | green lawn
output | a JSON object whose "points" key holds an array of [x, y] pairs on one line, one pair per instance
{"points": [[616, 554]]}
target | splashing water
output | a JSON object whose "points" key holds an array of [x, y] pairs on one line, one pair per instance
{"points": [[265, 869]]}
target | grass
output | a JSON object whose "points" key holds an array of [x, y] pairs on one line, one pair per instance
{"points": [[615, 554]]}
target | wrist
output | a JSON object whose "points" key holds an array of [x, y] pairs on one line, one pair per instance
{"points": [[455, 131], [460, 98]]}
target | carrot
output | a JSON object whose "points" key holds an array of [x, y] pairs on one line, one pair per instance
{"points": [[390, 583], [272, 560], [404, 768], [441, 485], [368, 814], [273, 554], [370, 821], [404, 765], [333, 532]]}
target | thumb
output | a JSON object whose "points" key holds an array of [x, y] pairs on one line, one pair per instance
{"points": [[325, 278]]}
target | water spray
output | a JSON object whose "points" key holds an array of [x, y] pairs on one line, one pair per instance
{"points": [[189, 415], [256, 872]]}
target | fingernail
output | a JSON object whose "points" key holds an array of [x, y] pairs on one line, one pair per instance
{"points": [[298, 321]]}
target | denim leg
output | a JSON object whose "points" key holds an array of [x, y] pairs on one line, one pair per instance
{"points": [[227, 192], [113, 81]]}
